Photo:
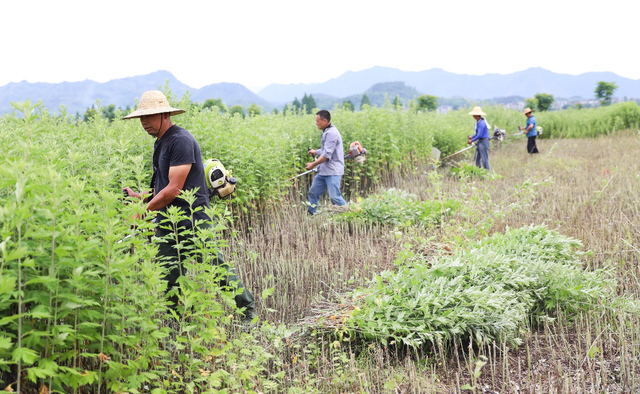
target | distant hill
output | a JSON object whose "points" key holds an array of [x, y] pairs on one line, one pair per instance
{"points": [[453, 89], [445, 84], [231, 94], [376, 94], [78, 96]]}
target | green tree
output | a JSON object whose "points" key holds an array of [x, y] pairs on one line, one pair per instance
{"points": [[311, 104], [308, 103], [365, 101], [348, 105], [531, 103], [90, 113], [254, 110], [210, 103], [109, 112], [236, 109], [295, 106], [275, 111], [396, 101], [604, 92], [544, 101], [427, 102], [578, 105]]}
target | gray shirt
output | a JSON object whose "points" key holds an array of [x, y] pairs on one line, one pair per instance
{"points": [[331, 148]]}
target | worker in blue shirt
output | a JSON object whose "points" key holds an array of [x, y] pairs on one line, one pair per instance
{"points": [[532, 131], [481, 137]]}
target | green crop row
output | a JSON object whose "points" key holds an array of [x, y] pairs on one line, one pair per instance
{"points": [[589, 122], [264, 151]]}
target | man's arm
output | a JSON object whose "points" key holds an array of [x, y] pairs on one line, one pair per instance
{"points": [[145, 195], [319, 160], [177, 178], [478, 132]]}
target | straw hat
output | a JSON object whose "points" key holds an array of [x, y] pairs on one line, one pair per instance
{"points": [[477, 111], [527, 110], [151, 103]]}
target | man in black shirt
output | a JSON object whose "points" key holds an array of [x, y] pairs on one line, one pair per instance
{"points": [[177, 166]]}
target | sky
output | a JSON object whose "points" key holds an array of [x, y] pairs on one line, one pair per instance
{"points": [[257, 43]]}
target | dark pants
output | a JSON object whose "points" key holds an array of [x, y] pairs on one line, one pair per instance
{"points": [[482, 153], [172, 259], [531, 145]]}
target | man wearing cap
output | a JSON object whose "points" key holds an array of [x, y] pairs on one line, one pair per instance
{"points": [[531, 130], [177, 166], [482, 138], [330, 163]]}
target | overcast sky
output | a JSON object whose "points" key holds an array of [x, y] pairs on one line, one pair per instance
{"points": [[256, 43]]}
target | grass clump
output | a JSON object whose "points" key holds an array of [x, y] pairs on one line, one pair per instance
{"points": [[398, 208], [467, 170], [487, 291]]}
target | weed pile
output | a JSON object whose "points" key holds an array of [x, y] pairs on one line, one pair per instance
{"points": [[487, 292]]}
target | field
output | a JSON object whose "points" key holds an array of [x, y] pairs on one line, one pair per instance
{"points": [[587, 189], [83, 313]]}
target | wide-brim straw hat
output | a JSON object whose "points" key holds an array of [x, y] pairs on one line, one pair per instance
{"points": [[151, 103], [477, 111], [527, 110]]}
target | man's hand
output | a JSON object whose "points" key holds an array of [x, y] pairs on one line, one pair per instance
{"points": [[312, 152], [131, 193], [309, 166]]}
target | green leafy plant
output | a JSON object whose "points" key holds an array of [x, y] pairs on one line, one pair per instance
{"points": [[487, 291], [466, 170], [398, 208]]}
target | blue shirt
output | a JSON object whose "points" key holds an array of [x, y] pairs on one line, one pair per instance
{"points": [[482, 131], [331, 148], [532, 121]]}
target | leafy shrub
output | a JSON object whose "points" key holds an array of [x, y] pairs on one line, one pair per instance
{"points": [[589, 122], [466, 170], [397, 208], [487, 291]]}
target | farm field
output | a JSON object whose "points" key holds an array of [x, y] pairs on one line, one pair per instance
{"points": [[587, 189], [82, 312]]}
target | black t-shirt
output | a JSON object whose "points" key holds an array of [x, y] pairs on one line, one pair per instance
{"points": [[177, 147]]}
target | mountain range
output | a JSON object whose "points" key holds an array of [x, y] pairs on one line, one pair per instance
{"points": [[78, 96], [442, 83]]}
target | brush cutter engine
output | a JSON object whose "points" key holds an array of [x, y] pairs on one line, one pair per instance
{"points": [[357, 152], [498, 134], [220, 183]]}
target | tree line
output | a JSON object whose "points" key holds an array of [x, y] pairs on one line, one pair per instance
{"points": [[541, 102]]}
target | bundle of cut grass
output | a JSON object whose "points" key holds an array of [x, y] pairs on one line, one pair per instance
{"points": [[487, 291]]}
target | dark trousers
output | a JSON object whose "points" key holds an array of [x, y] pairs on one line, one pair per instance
{"points": [[531, 145], [172, 259], [482, 153]]}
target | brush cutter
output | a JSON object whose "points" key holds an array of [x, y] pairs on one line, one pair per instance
{"points": [[152, 218], [304, 173], [473, 145], [524, 131], [498, 134], [220, 183], [356, 152]]}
